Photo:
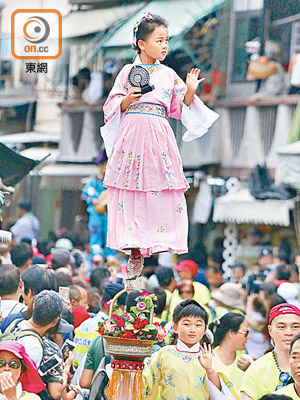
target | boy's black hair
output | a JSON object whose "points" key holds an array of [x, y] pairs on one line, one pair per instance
{"points": [[220, 328], [189, 308], [147, 27]]}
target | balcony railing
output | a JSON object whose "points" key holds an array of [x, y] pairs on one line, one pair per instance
{"points": [[246, 134]]}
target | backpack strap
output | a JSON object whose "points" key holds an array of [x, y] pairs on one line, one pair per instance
{"points": [[17, 308], [14, 323], [29, 332]]}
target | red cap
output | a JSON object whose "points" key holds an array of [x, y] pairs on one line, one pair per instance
{"points": [[79, 315], [282, 309], [187, 265]]}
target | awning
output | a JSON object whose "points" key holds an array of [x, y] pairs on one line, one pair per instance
{"points": [[181, 15], [242, 208], [48, 154], [288, 166], [14, 166], [30, 137], [81, 23], [66, 176]]}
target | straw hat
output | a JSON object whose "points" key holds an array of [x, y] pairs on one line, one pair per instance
{"points": [[229, 294]]}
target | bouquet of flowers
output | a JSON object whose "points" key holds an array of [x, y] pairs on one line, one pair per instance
{"points": [[135, 323]]}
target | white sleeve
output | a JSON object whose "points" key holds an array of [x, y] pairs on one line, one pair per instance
{"points": [[197, 118], [216, 394], [33, 348], [110, 129]]}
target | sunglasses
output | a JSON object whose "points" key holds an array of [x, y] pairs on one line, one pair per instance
{"points": [[11, 364], [245, 333], [284, 378]]}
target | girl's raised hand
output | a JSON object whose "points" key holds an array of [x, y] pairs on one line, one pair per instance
{"points": [[192, 79], [205, 357]]}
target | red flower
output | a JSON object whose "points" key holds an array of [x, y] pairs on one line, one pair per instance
{"points": [[120, 323], [149, 336], [140, 332], [156, 323], [101, 332], [145, 293], [140, 324], [128, 334]]}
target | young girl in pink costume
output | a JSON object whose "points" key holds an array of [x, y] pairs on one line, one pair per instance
{"points": [[144, 177]]}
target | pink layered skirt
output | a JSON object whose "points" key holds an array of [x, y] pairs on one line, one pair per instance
{"points": [[146, 185]]}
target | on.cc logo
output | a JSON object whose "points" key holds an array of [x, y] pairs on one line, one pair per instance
{"points": [[36, 30]]}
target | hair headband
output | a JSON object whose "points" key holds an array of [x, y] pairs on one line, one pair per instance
{"points": [[147, 16]]}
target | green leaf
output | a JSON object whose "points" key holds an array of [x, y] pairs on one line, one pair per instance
{"points": [[134, 310], [151, 326], [129, 326]]}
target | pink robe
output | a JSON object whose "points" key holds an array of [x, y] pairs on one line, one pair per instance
{"points": [[144, 175]]}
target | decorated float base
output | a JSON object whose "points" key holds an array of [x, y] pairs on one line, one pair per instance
{"points": [[126, 382]]}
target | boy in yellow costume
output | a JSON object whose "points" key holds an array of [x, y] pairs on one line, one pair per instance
{"points": [[185, 371]]}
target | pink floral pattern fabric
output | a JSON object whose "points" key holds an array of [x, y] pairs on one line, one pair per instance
{"points": [[144, 175]]}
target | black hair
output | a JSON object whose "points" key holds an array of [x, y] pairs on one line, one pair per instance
{"points": [[295, 339], [275, 397], [84, 73], [220, 328], [161, 300], [9, 279], [63, 279], [99, 275], [189, 308], [108, 295], [75, 292], [130, 300], [20, 254], [164, 276], [146, 27], [282, 273], [36, 279]]}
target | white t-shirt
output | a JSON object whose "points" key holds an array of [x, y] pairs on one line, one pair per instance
{"points": [[32, 344], [11, 307]]}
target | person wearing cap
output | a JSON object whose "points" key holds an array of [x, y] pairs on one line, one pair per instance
{"points": [[19, 377], [166, 280], [28, 225], [187, 271], [61, 261], [237, 272], [272, 371], [97, 220], [265, 258]]}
